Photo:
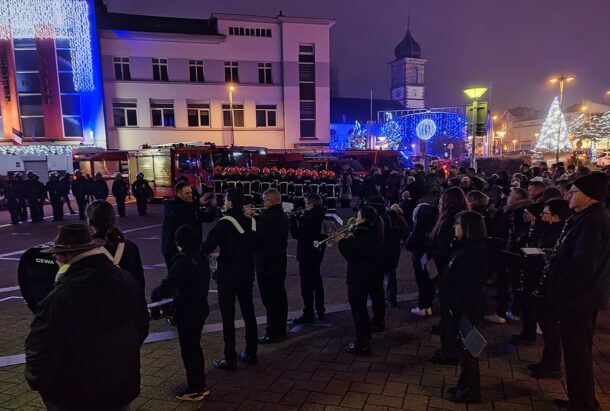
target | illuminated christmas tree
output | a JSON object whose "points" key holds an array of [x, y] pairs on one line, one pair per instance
{"points": [[358, 137], [586, 127], [392, 131], [554, 131]]}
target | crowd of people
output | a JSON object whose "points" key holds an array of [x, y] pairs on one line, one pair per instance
{"points": [[539, 239]]}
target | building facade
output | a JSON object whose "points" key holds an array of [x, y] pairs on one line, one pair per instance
{"points": [[49, 73], [408, 74], [232, 79]]}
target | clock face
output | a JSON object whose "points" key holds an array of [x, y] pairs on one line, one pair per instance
{"points": [[398, 94], [415, 92]]}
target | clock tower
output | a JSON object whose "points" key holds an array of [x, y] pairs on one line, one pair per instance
{"points": [[408, 73]]}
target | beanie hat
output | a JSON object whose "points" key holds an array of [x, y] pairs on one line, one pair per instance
{"points": [[594, 185], [186, 238]]}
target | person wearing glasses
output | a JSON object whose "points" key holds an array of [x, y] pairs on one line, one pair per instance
{"points": [[578, 280]]}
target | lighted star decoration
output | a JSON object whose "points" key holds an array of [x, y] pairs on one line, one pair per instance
{"points": [[53, 19]]}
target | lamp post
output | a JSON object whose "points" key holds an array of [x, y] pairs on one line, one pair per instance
{"points": [[474, 94], [561, 80], [501, 133], [231, 90], [514, 145]]}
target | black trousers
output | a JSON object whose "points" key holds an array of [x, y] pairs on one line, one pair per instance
{"points": [[81, 202], [58, 209], [425, 285], [470, 377], [448, 331], [66, 199], [391, 286], [141, 202], [274, 298], [357, 295], [529, 316], [120, 205], [14, 211], [312, 288], [507, 281], [577, 328], [189, 334], [227, 294], [36, 210], [23, 209], [551, 334], [375, 288]]}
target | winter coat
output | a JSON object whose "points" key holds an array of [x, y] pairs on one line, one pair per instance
{"points": [[463, 282], [273, 226], [235, 262], [79, 187], [130, 260], [581, 266], [345, 185], [418, 242], [100, 189], [36, 191], [306, 230], [55, 189], [36, 275], [83, 350], [120, 188], [140, 189], [398, 232], [178, 213], [362, 252], [513, 227], [188, 282]]}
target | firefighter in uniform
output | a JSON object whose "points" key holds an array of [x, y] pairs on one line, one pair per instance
{"points": [[11, 193], [141, 191], [100, 188], [55, 191], [79, 190], [120, 189], [36, 194]]}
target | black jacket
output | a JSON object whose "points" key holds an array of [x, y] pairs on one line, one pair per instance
{"points": [[464, 279], [55, 189], [188, 282], [80, 187], [140, 188], [130, 260], [399, 230], [83, 350], [363, 253], [306, 230], [120, 188], [100, 189], [236, 258], [418, 242], [36, 275], [36, 191], [581, 266], [178, 213], [273, 226]]}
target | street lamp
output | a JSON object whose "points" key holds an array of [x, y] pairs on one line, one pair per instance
{"points": [[501, 133], [514, 145], [561, 80], [231, 90], [474, 94]]}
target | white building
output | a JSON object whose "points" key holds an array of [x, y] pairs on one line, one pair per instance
{"points": [[170, 80]]}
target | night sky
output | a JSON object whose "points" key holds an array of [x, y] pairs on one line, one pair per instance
{"points": [[514, 44]]}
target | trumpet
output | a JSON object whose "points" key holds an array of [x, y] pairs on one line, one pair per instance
{"points": [[254, 210], [345, 231], [296, 213]]}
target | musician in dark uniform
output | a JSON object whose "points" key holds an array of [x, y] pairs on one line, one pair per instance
{"points": [[142, 192], [36, 194], [271, 262], [36, 275], [100, 188], [11, 194], [79, 190], [306, 230], [55, 191], [120, 190], [236, 236], [362, 252], [578, 287]]}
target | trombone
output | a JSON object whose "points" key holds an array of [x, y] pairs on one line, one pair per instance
{"points": [[345, 231]]}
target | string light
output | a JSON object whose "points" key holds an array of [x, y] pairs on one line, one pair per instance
{"points": [[53, 19], [554, 128], [39, 149]]}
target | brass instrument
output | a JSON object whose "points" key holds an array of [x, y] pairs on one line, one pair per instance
{"points": [[299, 212], [345, 231]]}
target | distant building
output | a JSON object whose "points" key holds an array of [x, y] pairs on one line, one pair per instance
{"points": [[408, 74], [231, 79]]}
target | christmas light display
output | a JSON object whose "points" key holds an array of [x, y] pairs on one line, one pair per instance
{"points": [[39, 149], [57, 19], [425, 129], [358, 138], [392, 131], [554, 132]]}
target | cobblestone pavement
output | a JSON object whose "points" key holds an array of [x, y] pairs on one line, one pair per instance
{"points": [[310, 371]]}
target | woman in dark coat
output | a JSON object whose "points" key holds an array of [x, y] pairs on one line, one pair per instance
{"points": [[400, 229], [418, 244], [188, 282], [463, 293], [362, 252], [123, 252]]}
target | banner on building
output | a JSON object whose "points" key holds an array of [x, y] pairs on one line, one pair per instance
{"points": [[17, 137]]}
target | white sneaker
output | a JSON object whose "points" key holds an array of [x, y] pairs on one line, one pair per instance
{"points": [[495, 318], [511, 316], [421, 312]]}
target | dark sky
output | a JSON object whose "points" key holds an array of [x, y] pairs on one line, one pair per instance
{"points": [[514, 44]]}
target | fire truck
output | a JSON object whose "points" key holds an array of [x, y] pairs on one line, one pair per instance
{"points": [[164, 165]]}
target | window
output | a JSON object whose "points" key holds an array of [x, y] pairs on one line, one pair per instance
{"points": [[249, 31], [307, 90], [264, 73], [266, 116], [125, 114], [121, 68], [163, 114], [160, 70], [72, 126], [238, 113], [231, 72], [196, 71], [198, 115]]}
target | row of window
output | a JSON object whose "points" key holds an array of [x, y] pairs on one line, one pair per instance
{"points": [[162, 115], [122, 71], [246, 31]]}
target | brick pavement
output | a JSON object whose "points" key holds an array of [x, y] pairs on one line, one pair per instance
{"points": [[311, 371]]}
